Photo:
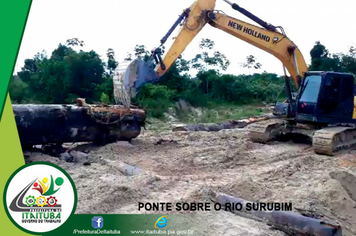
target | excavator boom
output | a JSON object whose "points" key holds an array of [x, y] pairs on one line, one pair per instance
{"points": [[192, 25], [193, 20], [275, 43]]}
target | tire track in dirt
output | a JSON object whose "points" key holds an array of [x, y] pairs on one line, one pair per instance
{"points": [[181, 166]]}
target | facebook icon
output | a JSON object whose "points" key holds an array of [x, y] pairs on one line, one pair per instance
{"points": [[97, 222]]}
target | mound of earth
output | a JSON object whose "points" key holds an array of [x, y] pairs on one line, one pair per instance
{"points": [[181, 166]]}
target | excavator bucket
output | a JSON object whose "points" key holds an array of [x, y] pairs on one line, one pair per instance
{"points": [[129, 77]]}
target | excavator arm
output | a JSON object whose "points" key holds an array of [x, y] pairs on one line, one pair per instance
{"points": [[193, 23], [269, 40], [193, 20]]}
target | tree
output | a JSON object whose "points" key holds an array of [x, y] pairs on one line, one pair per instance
{"points": [[251, 63], [205, 61], [110, 53], [319, 51], [18, 90], [60, 52], [128, 57], [112, 63], [206, 43], [66, 75], [139, 52], [182, 65], [348, 61], [322, 60], [75, 42]]}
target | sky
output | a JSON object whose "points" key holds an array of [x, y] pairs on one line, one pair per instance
{"points": [[122, 24]]}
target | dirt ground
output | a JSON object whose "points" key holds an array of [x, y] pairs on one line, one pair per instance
{"points": [[181, 166]]}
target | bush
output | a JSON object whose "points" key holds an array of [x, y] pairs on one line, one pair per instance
{"points": [[18, 90], [104, 98], [155, 99]]}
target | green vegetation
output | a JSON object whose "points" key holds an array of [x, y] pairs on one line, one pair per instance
{"points": [[70, 73], [221, 112]]}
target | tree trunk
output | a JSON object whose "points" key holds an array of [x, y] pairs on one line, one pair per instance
{"points": [[288, 222], [51, 124], [233, 124]]}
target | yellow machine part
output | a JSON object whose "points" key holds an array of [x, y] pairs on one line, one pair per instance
{"points": [[354, 114]]}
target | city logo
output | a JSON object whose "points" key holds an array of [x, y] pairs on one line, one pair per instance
{"points": [[161, 222], [39, 197], [97, 222]]}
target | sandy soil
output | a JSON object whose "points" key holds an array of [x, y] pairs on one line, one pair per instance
{"points": [[182, 166]]}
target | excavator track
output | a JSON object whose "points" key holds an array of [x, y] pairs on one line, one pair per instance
{"points": [[330, 140], [265, 131]]}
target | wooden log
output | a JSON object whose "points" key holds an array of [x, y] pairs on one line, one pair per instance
{"points": [[57, 124], [232, 124], [288, 222]]}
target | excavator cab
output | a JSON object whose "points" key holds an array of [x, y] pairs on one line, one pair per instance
{"points": [[325, 98]]}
